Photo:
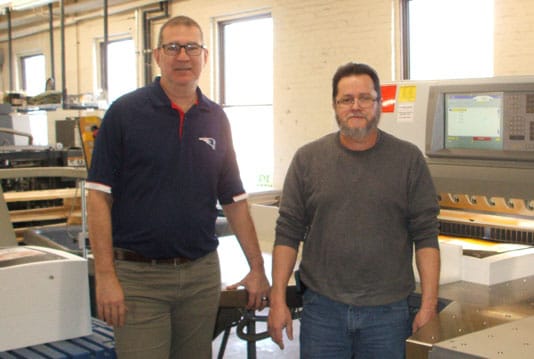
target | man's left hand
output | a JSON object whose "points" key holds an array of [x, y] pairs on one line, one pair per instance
{"points": [[422, 317], [257, 287]]}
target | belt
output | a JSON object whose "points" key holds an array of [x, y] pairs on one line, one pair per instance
{"points": [[128, 255]]}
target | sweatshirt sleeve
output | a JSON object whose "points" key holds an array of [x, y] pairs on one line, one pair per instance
{"points": [[423, 224], [292, 223]]}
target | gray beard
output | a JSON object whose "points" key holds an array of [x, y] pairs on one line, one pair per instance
{"points": [[357, 134], [354, 133]]}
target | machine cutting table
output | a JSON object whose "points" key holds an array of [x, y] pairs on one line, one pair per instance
{"points": [[492, 301], [495, 314]]}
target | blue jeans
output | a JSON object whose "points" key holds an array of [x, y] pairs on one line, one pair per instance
{"points": [[335, 330]]}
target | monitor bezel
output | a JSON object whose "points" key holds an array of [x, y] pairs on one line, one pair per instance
{"points": [[435, 127]]}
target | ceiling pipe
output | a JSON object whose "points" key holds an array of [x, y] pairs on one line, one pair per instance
{"points": [[105, 52], [10, 51], [32, 25], [63, 67], [52, 57]]}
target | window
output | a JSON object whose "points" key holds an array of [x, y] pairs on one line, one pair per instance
{"points": [[246, 94], [447, 39], [33, 74], [121, 70]]}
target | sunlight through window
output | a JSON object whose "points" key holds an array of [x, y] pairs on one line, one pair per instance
{"points": [[247, 96], [451, 39], [33, 72]]}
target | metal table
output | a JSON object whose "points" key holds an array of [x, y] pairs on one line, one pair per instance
{"points": [[474, 308]]}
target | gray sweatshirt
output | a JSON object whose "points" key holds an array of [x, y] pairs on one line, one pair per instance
{"points": [[359, 214]]}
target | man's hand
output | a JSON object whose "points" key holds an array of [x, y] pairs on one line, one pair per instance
{"points": [[257, 287], [422, 317], [280, 319], [110, 300]]}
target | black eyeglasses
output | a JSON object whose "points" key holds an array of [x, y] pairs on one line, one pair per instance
{"points": [[174, 48], [364, 101]]}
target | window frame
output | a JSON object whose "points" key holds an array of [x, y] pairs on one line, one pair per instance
{"points": [[264, 181], [101, 64]]}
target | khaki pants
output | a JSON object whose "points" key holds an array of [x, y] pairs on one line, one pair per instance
{"points": [[171, 309]]}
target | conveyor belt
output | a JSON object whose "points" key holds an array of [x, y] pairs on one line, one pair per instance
{"points": [[98, 345]]}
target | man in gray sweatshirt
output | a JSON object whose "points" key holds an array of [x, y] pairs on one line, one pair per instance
{"points": [[360, 200]]}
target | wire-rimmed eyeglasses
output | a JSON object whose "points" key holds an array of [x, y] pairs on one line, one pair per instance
{"points": [[174, 48], [364, 101]]}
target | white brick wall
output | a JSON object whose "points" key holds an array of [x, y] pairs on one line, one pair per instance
{"points": [[514, 37]]}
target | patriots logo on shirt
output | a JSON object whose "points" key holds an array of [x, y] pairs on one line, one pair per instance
{"points": [[209, 141]]}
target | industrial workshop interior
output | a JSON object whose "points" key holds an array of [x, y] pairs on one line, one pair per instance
{"points": [[456, 80]]}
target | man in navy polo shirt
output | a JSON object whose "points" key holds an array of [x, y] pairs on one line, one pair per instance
{"points": [[163, 158]]}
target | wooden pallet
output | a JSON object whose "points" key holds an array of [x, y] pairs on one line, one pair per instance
{"points": [[69, 211]]}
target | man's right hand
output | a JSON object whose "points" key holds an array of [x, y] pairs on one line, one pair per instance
{"points": [[280, 319], [110, 300]]}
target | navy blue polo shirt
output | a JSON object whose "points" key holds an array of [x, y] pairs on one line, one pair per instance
{"points": [[165, 187]]}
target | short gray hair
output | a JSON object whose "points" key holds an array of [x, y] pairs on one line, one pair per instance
{"points": [[177, 21]]}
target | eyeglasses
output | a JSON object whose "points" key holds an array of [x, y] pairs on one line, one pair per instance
{"points": [[174, 48], [364, 101]]}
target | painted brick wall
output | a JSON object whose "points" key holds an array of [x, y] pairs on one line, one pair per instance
{"points": [[514, 37]]}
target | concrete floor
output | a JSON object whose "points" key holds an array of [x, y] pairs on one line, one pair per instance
{"points": [[236, 348]]}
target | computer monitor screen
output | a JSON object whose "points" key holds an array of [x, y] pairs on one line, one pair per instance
{"points": [[474, 121], [486, 121]]}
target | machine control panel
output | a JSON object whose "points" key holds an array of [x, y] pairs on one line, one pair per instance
{"points": [[518, 117], [488, 121]]}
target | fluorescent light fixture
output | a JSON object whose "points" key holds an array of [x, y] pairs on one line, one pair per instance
{"points": [[28, 4]]}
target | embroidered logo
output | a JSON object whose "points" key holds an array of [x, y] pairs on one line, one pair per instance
{"points": [[209, 141]]}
